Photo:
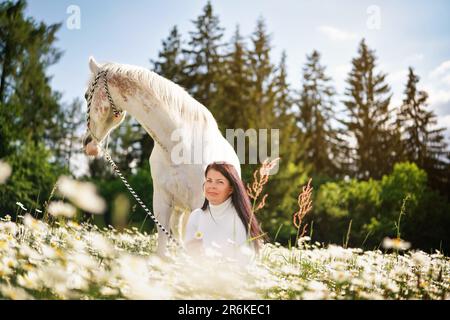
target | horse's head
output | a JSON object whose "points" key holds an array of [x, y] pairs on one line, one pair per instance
{"points": [[103, 114]]}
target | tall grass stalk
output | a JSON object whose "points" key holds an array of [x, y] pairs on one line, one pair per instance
{"points": [[348, 234], [402, 212], [260, 179], [305, 205]]}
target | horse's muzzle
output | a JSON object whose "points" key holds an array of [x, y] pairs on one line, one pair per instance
{"points": [[90, 146], [92, 149]]}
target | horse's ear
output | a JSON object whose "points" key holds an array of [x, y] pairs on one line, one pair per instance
{"points": [[93, 65]]}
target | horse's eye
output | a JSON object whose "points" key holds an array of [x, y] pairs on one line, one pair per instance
{"points": [[86, 95]]}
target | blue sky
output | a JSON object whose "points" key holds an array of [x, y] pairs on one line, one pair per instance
{"points": [[403, 33]]}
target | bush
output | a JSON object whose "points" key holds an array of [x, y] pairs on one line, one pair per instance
{"points": [[32, 178], [374, 206]]}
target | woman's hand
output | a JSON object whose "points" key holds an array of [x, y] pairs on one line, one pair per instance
{"points": [[195, 246]]}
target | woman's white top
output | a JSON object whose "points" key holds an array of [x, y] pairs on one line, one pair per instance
{"points": [[221, 231]]}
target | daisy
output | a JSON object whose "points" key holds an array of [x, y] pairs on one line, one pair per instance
{"points": [[198, 235]]}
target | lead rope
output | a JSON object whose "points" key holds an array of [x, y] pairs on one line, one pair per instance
{"points": [[110, 160], [133, 193]]}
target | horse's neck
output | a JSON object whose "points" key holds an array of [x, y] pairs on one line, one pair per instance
{"points": [[163, 108], [166, 129], [154, 121]]}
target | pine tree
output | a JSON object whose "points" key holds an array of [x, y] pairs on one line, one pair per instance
{"points": [[292, 171], [284, 118], [260, 110], [234, 87], [369, 117], [170, 63], [204, 58], [422, 142], [316, 112]]}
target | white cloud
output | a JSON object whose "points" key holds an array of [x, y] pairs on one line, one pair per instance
{"points": [[441, 70], [438, 87], [446, 80], [336, 34], [439, 98]]}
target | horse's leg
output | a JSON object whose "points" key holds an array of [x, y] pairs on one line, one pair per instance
{"points": [[162, 207]]}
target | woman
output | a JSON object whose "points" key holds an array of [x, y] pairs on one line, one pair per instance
{"points": [[225, 223]]}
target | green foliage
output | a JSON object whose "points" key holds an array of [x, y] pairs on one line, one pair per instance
{"points": [[32, 178], [29, 109], [170, 64], [406, 179], [374, 206], [27, 50], [141, 182], [338, 203]]}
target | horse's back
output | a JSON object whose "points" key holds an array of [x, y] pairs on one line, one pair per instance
{"points": [[221, 150]]}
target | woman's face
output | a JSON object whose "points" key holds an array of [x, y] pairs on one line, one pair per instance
{"points": [[217, 187]]}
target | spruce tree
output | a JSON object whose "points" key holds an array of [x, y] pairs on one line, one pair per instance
{"points": [[292, 172], [204, 58], [369, 118], [422, 142], [260, 110], [170, 63], [234, 87], [316, 114]]}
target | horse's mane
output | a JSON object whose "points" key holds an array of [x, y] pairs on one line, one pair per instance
{"points": [[178, 102]]}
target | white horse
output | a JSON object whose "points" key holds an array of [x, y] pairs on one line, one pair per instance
{"points": [[167, 112]]}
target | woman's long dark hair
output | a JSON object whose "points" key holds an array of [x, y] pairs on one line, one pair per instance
{"points": [[240, 199]]}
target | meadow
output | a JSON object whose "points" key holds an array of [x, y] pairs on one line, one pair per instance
{"points": [[66, 260]]}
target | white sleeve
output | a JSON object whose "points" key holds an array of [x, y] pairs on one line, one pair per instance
{"points": [[192, 225], [241, 232]]}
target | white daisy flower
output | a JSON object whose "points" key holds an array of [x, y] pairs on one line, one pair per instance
{"points": [[82, 194], [59, 208], [397, 244]]}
